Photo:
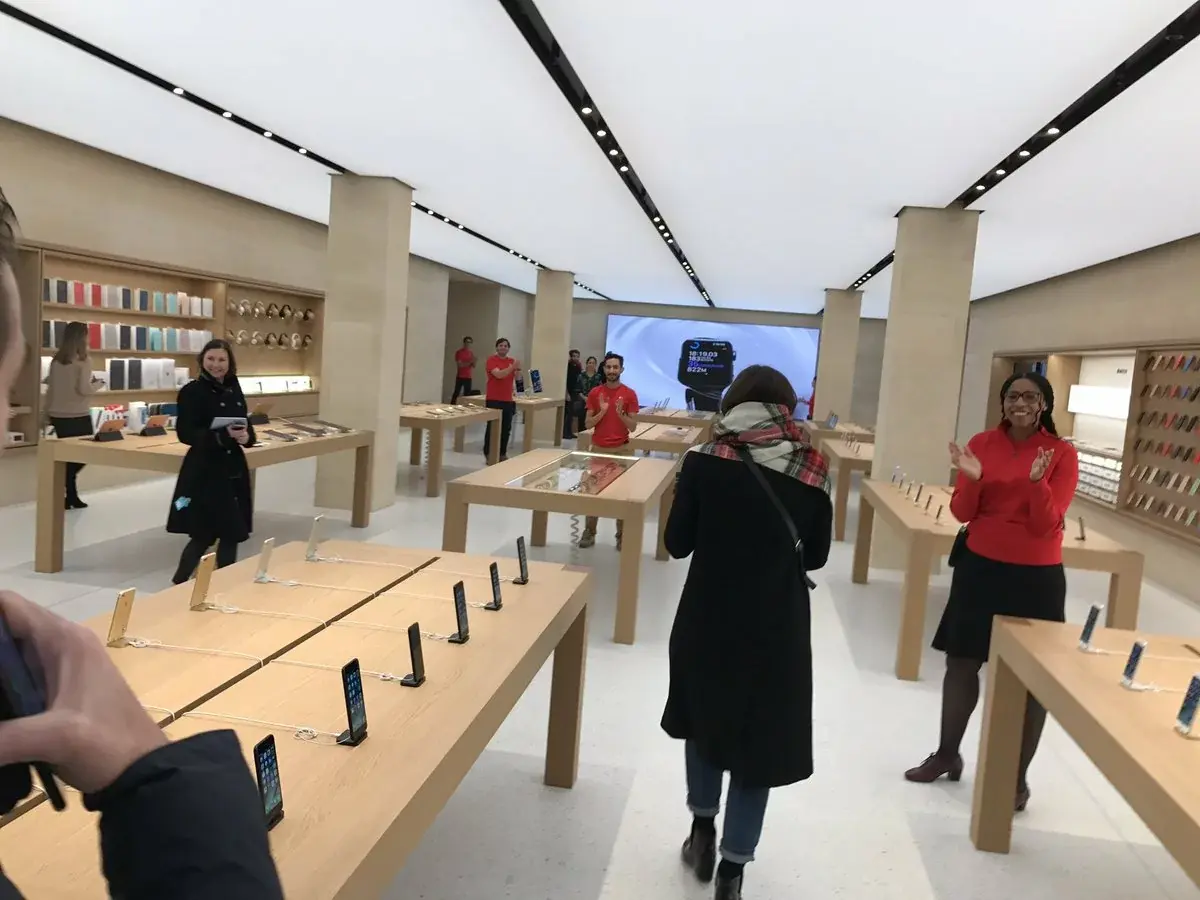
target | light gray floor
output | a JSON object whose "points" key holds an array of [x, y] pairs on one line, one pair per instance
{"points": [[856, 829]]}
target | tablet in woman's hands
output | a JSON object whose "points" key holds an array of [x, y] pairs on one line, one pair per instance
{"points": [[219, 423]]}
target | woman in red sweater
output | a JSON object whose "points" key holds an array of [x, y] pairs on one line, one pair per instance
{"points": [[1014, 485]]}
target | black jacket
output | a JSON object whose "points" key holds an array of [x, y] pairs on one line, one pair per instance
{"points": [[212, 496], [741, 646], [184, 822]]}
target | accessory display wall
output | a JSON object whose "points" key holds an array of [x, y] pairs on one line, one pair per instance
{"points": [[163, 316]]}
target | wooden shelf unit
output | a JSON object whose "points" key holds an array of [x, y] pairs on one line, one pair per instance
{"points": [[36, 263]]}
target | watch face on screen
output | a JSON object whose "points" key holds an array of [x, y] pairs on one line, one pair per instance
{"points": [[706, 369]]}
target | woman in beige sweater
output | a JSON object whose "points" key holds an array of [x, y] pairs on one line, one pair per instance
{"points": [[69, 388]]}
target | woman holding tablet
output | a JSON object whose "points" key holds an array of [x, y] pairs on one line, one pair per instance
{"points": [[212, 500]]}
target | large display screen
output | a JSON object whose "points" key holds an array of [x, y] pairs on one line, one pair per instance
{"points": [[687, 364]]}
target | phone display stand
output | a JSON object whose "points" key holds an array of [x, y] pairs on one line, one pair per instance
{"points": [[104, 437], [413, 681], [153, 431], [458, 638], [347, 740], [119, 625], [314, 541], [203, 578], [263, 576], [258, 418], [523, 561]]}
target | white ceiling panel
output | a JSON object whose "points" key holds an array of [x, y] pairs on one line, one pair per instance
{"points": [[779, 139], [446, 96]]}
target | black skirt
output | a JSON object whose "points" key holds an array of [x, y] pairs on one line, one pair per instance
{"points": [[983, 588]]}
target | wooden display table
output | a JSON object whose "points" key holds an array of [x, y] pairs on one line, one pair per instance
{"points": [[672, 439], [819, 431], [529, 406], [577, 484], [845, 457], [1127, 734], [666, 416], [165, 454], [928, 537], [437, 420], [354, 814]]}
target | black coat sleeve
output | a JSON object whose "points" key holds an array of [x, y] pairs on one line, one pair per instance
{"points": [[817, 528], [680, 533], [185, 822], [193, 419]]}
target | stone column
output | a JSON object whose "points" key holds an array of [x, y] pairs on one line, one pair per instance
{"points": [[425, 348], [923, 352], [362, 352], [551, 338], [837, 355]]}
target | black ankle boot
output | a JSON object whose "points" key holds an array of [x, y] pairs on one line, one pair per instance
{"points": [[728, 888], [700, 852]]}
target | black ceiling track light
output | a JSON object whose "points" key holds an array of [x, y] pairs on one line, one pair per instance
{"points": [[529, 21], [183, 94], [1156, 51]]}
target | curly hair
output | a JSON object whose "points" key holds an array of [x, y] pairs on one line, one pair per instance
{"points": [[8, 231]]}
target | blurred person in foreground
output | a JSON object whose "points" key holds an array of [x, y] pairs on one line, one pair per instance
{"points": [[12, 341], [740, 651]]}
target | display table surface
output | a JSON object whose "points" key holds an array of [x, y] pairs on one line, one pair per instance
{"points": [[672, 439], [354, 814], [577, 484], [928, 536], [819, 431], [165, 454], [1128, 735], [667, 416], [844, 457], [437, 420], [530, 405]]}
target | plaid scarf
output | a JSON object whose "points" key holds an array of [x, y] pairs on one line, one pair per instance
{"points": [[774, 439]]}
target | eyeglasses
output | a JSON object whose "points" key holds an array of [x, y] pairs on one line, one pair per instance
{"points": [[1027, 396]]}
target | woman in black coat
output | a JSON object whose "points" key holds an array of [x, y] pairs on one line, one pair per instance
{"points": [[212, 500], [741, 654]]}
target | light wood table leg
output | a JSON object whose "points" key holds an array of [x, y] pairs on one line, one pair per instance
{"points": [[360, 504], [913, 595], [537, 531], [566, 705], [1125, 593], [414, 448], [454, 520], [433, 474], [625, 629], [560, 421], [664, 513], [493, 456], [841, 501], [460, 439], [862, 542], [51, 513], [527, 429], [583, 441], [999, 758]]}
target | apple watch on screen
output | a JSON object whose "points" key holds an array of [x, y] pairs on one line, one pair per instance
{"points": [[706, 369]]}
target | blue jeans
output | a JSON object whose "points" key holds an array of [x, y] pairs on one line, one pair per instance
{"points": [[744, 807]]}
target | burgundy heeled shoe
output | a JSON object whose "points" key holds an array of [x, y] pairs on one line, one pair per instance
{"points": [[934, 767], [1022, 799]]}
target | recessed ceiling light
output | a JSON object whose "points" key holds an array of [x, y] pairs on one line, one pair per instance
{"points": [[413, 203], [460, 227], [587, 110], [667, 234], [445, 218], [178, 92], [661, 227], [513, 252], [624, 168], [267, 134], [303, 152], [1052, 131], [979, 187], [1023, 153], [601, 133], [1000, 172], [227, 114], [430, 211], [612, 152], [670, 240], [657, 219]]}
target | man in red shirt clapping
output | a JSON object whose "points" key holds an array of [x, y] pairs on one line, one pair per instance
{"points": [[611, 414], [501, 375]]}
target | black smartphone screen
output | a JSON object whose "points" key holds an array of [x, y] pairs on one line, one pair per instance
{"points": [[1131, 665], [460, 613], [494, 571], [416, 652], [523, 560], [1187, 710], [356, 705], [266, 768], [1085, 638], [20, 696]]}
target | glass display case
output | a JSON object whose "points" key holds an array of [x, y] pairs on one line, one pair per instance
{"points": [[577, 473]]}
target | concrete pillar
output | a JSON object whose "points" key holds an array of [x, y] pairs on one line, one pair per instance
{"points": [[362, 353], [923, 352], [837, 355], [551, 338], [425, 349]]}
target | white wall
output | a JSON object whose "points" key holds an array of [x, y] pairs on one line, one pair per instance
{"points": [[1106, 372]]}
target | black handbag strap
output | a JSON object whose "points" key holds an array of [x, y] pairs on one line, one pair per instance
{"points": [[797, 541]]}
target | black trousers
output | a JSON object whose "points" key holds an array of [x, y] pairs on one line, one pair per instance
{"points": [[75, 426], [508, 409], [195, 549], [461, 386]]}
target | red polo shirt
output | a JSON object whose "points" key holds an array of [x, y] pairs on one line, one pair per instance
{"points": [[463, 358], [500, 388], [610, 431], [1010, 518]]}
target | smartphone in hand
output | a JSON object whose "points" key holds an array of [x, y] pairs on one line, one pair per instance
{"points": [[20, 695]]}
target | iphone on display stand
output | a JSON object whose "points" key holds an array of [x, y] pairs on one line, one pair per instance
{"points": [[1129, 676], [497, 600], [356, 705], [463, 634], [314, 539], [416, 678], [21, 696], [1089, 626], [266, 770], [1187, 710], [262, 576], [523, 561]]}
